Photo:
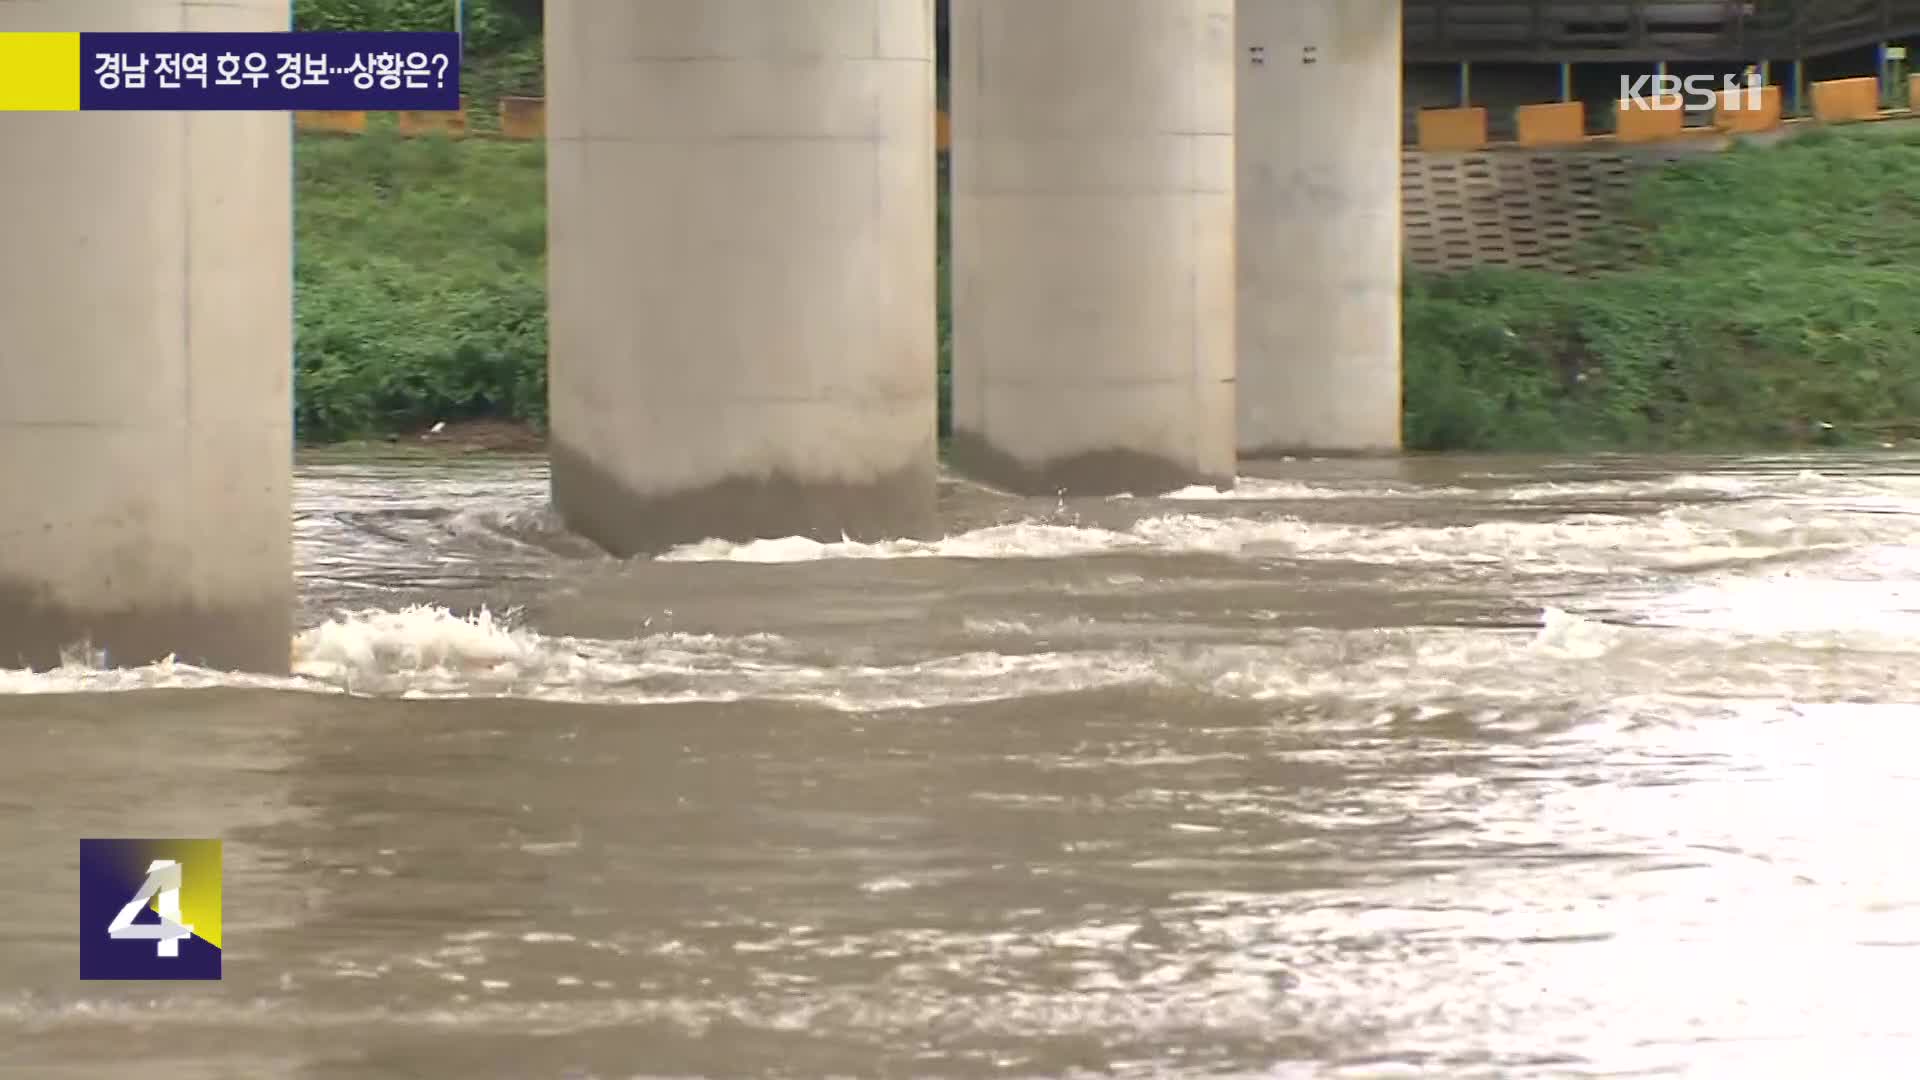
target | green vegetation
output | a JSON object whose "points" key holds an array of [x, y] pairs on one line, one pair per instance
{"points": [[420, 265], [1770, 298], [419, 283], [492, 27], [503, 54], [944, 225]]}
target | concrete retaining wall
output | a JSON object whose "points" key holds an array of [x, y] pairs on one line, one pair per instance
{"points": [[1529, 207]]}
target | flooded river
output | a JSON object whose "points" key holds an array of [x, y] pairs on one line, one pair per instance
{"points": [[1455, 767]]}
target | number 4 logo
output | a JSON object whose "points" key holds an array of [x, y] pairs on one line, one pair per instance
{"points": [[163, 878]]}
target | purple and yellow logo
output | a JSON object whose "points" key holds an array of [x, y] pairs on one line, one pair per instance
{"points": [[149, 909]]}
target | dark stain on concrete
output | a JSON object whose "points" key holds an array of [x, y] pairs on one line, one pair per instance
{"points": [[257, 637], [1097, 472], [897, 505]]}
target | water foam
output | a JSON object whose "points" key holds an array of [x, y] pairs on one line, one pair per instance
{"points": [[1717, 632], [1725, 486], [1262, 489], [433, 653], [1021, 540], [1576, 543]]}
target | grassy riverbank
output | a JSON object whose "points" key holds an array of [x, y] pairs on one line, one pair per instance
{"points": [[1776, 303], [1773, 302], [420, 284]]}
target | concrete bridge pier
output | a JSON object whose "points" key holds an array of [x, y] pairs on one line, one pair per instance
{"points": [[1093, 239], [742, 269], [1320, 247], [145, 368]]}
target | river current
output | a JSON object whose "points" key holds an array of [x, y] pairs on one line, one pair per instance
{"points": [[1448, 766]]}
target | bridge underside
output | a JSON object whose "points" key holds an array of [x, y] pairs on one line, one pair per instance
{"points": [[1647, 31], [1176, 240]]}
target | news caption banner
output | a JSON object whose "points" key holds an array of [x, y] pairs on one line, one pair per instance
{"points": [[150, 909], [371, 71]]}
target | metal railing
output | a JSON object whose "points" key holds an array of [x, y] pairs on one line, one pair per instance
{"points": [[1447, 31]]}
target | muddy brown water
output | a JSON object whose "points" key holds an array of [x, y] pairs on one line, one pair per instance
{"points": [[1443, 767]]}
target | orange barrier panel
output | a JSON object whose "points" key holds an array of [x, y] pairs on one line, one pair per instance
{"points": [[1555, 124], [943, 130], [523, 118], [1453, 129], [1737, 115], [451, 124], [1840, 101], [1652, 120], [338, 123]]}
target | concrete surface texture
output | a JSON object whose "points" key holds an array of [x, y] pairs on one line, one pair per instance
{"points": [[1320, 237], [742, 269], [1093, 238], [145, 368]]}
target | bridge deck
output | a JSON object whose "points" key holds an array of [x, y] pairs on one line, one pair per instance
{"points": [[1587, 31]]}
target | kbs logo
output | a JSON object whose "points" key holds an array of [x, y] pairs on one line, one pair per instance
{"points": [[150, 909], [1671, 93]]}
